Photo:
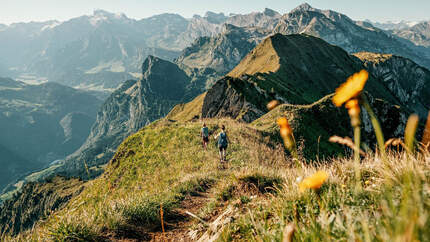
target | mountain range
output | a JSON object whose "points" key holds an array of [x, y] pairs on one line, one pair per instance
{"points": [[393, 25], [102, 50], [294, 69]]}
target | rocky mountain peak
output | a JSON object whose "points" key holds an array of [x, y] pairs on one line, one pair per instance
{"points": [[340, 30], [271, 13], [216, 18], [164, 77], [303, 7], [101, 12]]}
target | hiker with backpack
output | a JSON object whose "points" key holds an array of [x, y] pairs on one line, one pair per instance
{"points": [[205, 135], [222, 143]]}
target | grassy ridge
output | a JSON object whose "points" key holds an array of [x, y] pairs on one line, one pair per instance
{"points": [[165, 164], [159, 164]]}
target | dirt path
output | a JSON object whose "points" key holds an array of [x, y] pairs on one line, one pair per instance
{"points": [[180, 230]]}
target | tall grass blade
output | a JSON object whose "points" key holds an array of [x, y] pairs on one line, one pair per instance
{"points": [[410, 130]]}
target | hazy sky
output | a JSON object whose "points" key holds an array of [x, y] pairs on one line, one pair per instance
{"points": [[377, 10]]}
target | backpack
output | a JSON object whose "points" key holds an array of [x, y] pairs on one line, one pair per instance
{"points": [[205, 131], [222, 141]]}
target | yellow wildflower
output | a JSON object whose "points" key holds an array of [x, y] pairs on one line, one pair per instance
{"points": [[353, 107], [285, 132], [354, 112], [351, 88], [285, 127], [282, 122], [314, 182]]}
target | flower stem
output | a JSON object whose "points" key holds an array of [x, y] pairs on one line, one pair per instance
{"points": [[376, 127], [290, 144], [357, 134]]}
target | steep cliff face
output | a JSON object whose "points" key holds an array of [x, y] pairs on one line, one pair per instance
{"points": [[36, 201], [406, 80], [340, 30], [128, 109], [235, 98]]}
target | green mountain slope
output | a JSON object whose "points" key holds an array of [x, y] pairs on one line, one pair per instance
{"points": [[164, 165], [295, 69], [36, 201]]}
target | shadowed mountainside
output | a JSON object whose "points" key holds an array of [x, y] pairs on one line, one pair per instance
{"points": [[40, 124]]}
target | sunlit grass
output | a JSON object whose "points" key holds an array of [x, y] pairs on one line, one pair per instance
{"points": [[164, 163]]}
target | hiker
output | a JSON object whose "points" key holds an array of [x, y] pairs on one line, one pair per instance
{"points": [[205, 135], [222, 144]]}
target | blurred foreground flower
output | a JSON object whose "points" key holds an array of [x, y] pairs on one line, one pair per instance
{"points": [[314, 182], [410, 130], [426, 135], [272, 104], [287, 135], [349, 93], [351, 88]]}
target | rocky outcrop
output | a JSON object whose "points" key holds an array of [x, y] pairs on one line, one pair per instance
{"points": [[226, 99], [36, 201], [407, 81]]}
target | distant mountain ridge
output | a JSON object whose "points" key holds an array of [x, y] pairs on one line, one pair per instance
{"points": [[393, 25], [209, 58], [103, 49], [419, 34], [340, 30]]}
